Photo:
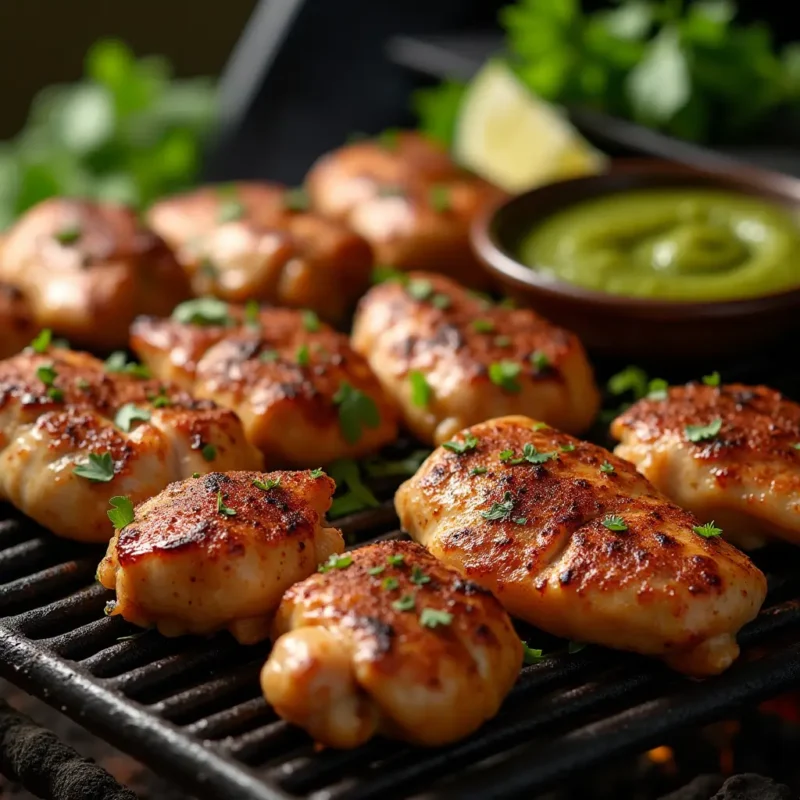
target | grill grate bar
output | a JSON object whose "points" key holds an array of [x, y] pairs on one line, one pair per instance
{"points": [[224, 723], [59, 615], [253, 746], [88, 638], [26, 556]]}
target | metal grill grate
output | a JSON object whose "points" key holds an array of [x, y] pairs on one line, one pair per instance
{"points": [[192, 709]]}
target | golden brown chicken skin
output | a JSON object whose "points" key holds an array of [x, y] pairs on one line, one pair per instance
{"points": [[217, 552], [405, 196], [74, 434], [477, 360], [727, 453], [17, 326], [387, 640], [303, 395], [251, 240], [87, 269], [573, 540]]}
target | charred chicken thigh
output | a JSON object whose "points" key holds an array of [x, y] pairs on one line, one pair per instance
{"points": [[75, 432], [387, 640], [451, 359], [303, 395], [257, 240], [218, 551], [573, 540], [727, 453], [87, 269]]}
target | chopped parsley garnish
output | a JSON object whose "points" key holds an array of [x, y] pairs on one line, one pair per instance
{"points": [[433, 618], [478, 471], [222, 508], [420, 388], [47, 374], [202, 311], [317, 473], [99, 468], [269, 483], [209, 452], [55, 394], [418, 576], [614, 523], [502, 341], [303, 356], [567, 448], [389, 139], [296, 199], [707, 531], [441, 301], [796, 445], [376, 570], [420, 288], [160, 400], [230, 209], [405, 603], [121, 512], [631, 379], [439, 198], [389, 468], [251, 315], [529, 454], [470, 443], [68, 234], [356, 412], [657, 389], [504, 374], [531, 655], [336, 561], [311, 321], [395, 559], [607, 468], [500, 511], [195, 474], [540, 426], [42, 341], [506, 455], [128, 414], [575, 647], [118, 362], [483, 326], [390, 584], [540, 361], [702, 433], [384, 274], [521, 521], [268, 356], [351, 494], [712, 380]]}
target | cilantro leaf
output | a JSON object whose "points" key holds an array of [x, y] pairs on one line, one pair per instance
{"points": [[42, 341], [121, 512], [356, 412], [707, 531], [269, 483], [614, 523], [336, 561], [128, 414], [504, 374], [420, 389], [99, 468], [470, 443], [222, 508], [202, 311], [405, 603], [703, 433], [500, 511], [311, 322], [351, 493], [433, 618], [531, 655]]}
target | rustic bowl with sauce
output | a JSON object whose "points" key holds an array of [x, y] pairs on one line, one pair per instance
{"points": [[631, 326]]}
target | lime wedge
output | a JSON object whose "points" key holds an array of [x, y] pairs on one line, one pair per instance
{"points": [[516, 140]]}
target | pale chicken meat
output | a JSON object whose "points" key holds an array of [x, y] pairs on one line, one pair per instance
{"points": [[386, 640], [728, 453], [451, 359], [87, 269], [258, 240], [303, 395], [217, 552], [403, 193], [573, 540], [17, 327], [75, 432]]}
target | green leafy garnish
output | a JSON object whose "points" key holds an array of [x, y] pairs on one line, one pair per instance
{"points": [[478, 471], [317, 473], [160, 400], [441, 301], [251, 315], [99, 468], [69, 234], [405, 603], [390, 584], [506, 455], [614, 523], [222, 508], [268, 356], [356, 412], [118, 362], [437, 108], [470, 443], [433, 618], [384, 274], [607, 468], [631, 379], [303, 356], [420, 389], [420, 288], [707, 531], [529, 454], [439, 198], [531, 655], [502, 341], [504, 374], [128, 414], [195, 474], [657, 389], [42, 341], [336, 561], [418, 576], [567, 448], [55, 394], [796, 445], [500, 511], [395, 559], [703, 433], [209, 452], [386, 467], [376, 570], [82, 384], [483, 326], [47, 374], [712, 380], [296, 199], [351, 493], [540, 361], [269, 483], [202, 311], [121, 512], [230, 209], [311, 321]]}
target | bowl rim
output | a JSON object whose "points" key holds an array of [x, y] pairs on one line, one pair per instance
{"points": [[497, 258]]}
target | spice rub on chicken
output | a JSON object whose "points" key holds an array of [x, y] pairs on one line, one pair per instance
{"points": [[386, 640], [450, 359], [303, 395], [217, 552], [259, 240], [573, 540], [730, 453], [74, 432]]}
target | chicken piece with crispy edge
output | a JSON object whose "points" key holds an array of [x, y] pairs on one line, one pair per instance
{"points": [[572, 539], [87, 269], [387, 640], [250, 240], [727, 453], [303, 395], [72, 435], [217, 552], [405, 195], [451, 359], [17, 326]]}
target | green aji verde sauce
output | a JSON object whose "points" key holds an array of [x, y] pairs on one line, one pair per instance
{"points": [[674, 244]]}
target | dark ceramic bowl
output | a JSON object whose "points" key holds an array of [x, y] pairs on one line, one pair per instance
{"points": [[616, 325]]}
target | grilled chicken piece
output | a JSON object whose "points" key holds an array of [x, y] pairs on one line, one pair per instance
{"points": [[17, 327], [72, 435], [304, 397], [478, 361], [387, 640], [251, 240], [572, 539], [88, 269], [405, 196], [727, 453], [217, 552]]}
